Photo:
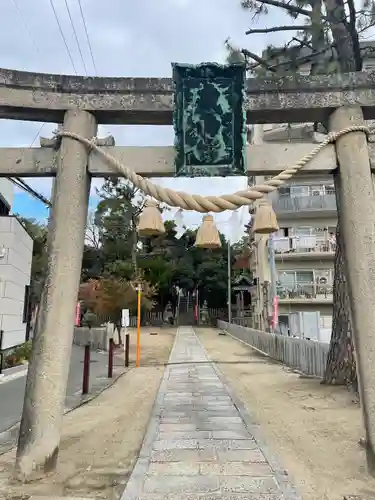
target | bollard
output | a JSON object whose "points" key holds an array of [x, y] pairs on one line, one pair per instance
{"points": [[127, 347], [110, 358], [86, 370]]}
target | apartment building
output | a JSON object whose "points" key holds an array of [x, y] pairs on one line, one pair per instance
{"points": [[304, 247], [16, 248]]}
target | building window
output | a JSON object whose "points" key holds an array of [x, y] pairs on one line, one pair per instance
{"points": [[294, 278], [297, 191]]}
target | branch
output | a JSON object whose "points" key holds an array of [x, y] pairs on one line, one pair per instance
{"points": [[277, 53], [278, 28], [290, 8], [258, 59], [300, 60], [303, 43]]}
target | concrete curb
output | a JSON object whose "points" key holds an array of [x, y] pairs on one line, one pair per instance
{"points": [[9, 437], [13, 372]]}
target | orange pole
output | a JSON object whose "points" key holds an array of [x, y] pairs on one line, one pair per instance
{"points": [[138, 352]]}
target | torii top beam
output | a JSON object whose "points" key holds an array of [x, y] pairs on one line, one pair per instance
{"points": [[149, 101]]}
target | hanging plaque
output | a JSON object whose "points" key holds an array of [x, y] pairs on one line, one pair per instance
{"points": [[209, 119]]}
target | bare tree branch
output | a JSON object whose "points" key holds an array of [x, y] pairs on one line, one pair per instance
{"points": [[294, 9], [278, 28], [303, 43], [259, 60], [92, 235], [302, 59]]}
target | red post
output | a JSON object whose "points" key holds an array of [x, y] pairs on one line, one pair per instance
{"points": [[110, 359], [86, 370], [127, 347]]}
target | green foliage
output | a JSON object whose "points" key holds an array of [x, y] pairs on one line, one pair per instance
{"points": [[116, 219], [114, 257], [38, 232], [91, 319], [18, 355], [325, 36]]}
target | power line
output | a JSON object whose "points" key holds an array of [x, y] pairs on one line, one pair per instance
{"points": [[25, 187], [75, 35], [63, 36], [27, 28], [37, 135], [87, 36], [16, 180]]}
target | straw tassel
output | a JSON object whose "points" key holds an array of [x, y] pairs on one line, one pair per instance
{"points": [[150, 222], [265, 221], [207, 234]]}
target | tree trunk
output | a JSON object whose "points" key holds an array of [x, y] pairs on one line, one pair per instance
{"points": [[341, 364]]}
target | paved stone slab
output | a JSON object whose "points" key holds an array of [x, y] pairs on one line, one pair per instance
{"points": [[211, 496], [246, 484], [175, 435], [257, 469], [192, 455], [181, 484], [200, 445]]}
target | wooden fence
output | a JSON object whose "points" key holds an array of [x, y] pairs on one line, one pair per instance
{"points": [[308, 356]]}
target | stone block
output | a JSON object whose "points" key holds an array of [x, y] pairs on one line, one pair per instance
{"points": [[229, 444], [247, 484], [217, 426], [177, 427], [181, 435], [174, 469], [207, 496], [231, 434], [231, 455], [175, 444], [256, 469], [184, 455], [181, 484]]}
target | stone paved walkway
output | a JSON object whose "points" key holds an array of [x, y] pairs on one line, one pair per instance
{"points": [[200, 442]]}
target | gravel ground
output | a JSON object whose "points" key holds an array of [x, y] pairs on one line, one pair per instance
{"points": [[101, 440], [313, 429]]}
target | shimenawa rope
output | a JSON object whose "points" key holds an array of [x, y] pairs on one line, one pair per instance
{"points": [[206, 204]]}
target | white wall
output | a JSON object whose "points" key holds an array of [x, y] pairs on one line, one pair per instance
{"points": [[15, 269]]}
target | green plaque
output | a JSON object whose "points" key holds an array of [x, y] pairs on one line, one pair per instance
{"points": [[209, 119]]}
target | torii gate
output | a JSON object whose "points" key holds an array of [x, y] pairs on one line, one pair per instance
{"points": [[81, 103]]}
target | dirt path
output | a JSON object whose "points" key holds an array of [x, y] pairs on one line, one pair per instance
{"points": [[101, 440], [313, 429]]}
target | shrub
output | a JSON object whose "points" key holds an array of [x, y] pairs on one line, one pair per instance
{"points": [[23, 351], [18, 355]]}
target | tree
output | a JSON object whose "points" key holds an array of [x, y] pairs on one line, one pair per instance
{"points": [[168, 262], [328, 40], [115, 254], [116, 223], [38, 233], [106, 297]]}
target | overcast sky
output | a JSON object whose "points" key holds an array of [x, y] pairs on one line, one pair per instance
{"points": [[140, 38]]}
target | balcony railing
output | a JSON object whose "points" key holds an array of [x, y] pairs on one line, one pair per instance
{"points": [[304, 244], [295, 204], [305, 291]]}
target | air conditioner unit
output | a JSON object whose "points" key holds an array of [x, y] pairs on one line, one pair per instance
{"points": [[316, 192]]}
